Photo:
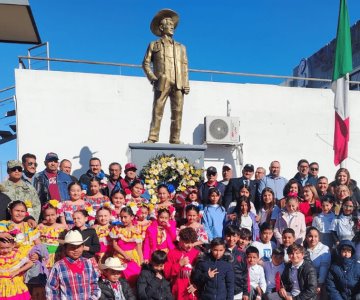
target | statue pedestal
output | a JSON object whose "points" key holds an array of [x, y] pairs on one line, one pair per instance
{"points": [[141, 153]]}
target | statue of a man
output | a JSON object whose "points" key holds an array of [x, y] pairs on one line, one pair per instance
{"points": [[168, 74]]}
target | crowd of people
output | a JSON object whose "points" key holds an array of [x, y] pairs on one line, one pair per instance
{"points": [[258, 236]]}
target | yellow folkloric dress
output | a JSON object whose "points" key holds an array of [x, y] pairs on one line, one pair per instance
{"points": [[25, 236], [13, 288], [49, 236]]}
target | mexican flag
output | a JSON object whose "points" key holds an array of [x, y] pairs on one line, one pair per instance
{"points": [[340, 85]]}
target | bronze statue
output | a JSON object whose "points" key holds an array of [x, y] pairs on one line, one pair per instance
{"points": [[168, 75]]}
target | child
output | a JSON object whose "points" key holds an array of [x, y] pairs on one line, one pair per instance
{"points": [[323, 221], [188, 197], [160, 235], [214, 275], [245, 238], [13, 263], [111, 284], [214, 215], [319, 256], [273, 270], [268, 207], [265, 245], [287, 238], [102, 229], [25, 236], [179, 264], [299, 277], [74, 274], [141, 219], [50, 231], [127, 244], [256, 273], [291, 218], [344, 274], [95, 198], [344, 227], [164, 200], [152, 284], [245, 218], [232, 237], [192, 218], [74, 204], [137, 189], [118, 200], [91, 240]]}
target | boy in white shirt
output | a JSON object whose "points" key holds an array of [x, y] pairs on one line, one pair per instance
{"points": [[256, 274], [265, 245]]}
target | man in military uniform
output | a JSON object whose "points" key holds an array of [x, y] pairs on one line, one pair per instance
{"points": [[168, 75], [18, 189]]}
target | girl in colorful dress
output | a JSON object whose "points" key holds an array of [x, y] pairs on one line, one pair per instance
{"points": [[50, 230], [25, 236], [13, 263], [178, 267], [102, 228], [118, 200], [95, 198], [127, 244], [141, 219], [164, 201], [74, 204], [192, 221], [137, 189], [160, 235]]}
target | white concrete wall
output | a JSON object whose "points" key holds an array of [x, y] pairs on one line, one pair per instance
{"points": [[77, 114]]}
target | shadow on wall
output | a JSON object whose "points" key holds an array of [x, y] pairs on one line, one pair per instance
{"points": [[84, 157]]}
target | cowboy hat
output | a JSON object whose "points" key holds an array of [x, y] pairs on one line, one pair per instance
{"points": [[74, 237], [113, 263], [162, 14]]}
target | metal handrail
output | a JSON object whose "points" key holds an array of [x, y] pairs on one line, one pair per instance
{"points": [[80, 61]]}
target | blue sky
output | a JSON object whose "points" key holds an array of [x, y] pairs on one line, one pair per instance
{"points": [[268, 37]]}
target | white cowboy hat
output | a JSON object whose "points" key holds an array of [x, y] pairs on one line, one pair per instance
{"points": [[74, 237], [162, 14], [113, 263]]}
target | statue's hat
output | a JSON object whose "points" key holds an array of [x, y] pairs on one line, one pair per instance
{"points": [[164, 13]]}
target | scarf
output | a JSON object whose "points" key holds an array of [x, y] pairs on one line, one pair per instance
{"points": [[76, 267]]}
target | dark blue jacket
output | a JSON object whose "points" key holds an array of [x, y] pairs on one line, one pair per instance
{"points": [[221, 287], [343, 281], [41, 184], [240, 271], [310, 180], [232, 191], [204, 191]]}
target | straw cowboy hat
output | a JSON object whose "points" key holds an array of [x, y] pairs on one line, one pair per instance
{"points": [[74, 237], [162, 14], [113, 263]]}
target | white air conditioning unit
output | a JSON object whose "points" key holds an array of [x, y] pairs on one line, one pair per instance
{"points": [[222, 130]]}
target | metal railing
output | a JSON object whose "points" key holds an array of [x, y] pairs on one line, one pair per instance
{"points": [[198, 71]]}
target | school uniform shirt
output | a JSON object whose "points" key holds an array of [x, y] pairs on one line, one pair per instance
{"points": [[265, 250], [257, 277], [323, 222], [213, 220], [295, 280], [270, 271], [343, 227]]}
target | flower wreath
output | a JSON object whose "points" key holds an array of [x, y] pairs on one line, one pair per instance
{"points": [[169, 169]]}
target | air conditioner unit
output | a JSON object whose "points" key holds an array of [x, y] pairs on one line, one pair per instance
{"points": [[222, 130]]}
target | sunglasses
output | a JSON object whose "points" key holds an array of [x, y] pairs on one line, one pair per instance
{"points": [[348, 206], [16, 169], [314, 169], [32, 163], [193, 192], [211, 174]]}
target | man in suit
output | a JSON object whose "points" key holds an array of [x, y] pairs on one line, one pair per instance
{"points": [[168, 74], [234, 185]]}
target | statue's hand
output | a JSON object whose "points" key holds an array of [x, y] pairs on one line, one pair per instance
{"points": [[186, 90], [153, 80]]}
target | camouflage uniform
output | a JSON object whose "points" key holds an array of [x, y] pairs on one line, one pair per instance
{"points": [[23, 191]]}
